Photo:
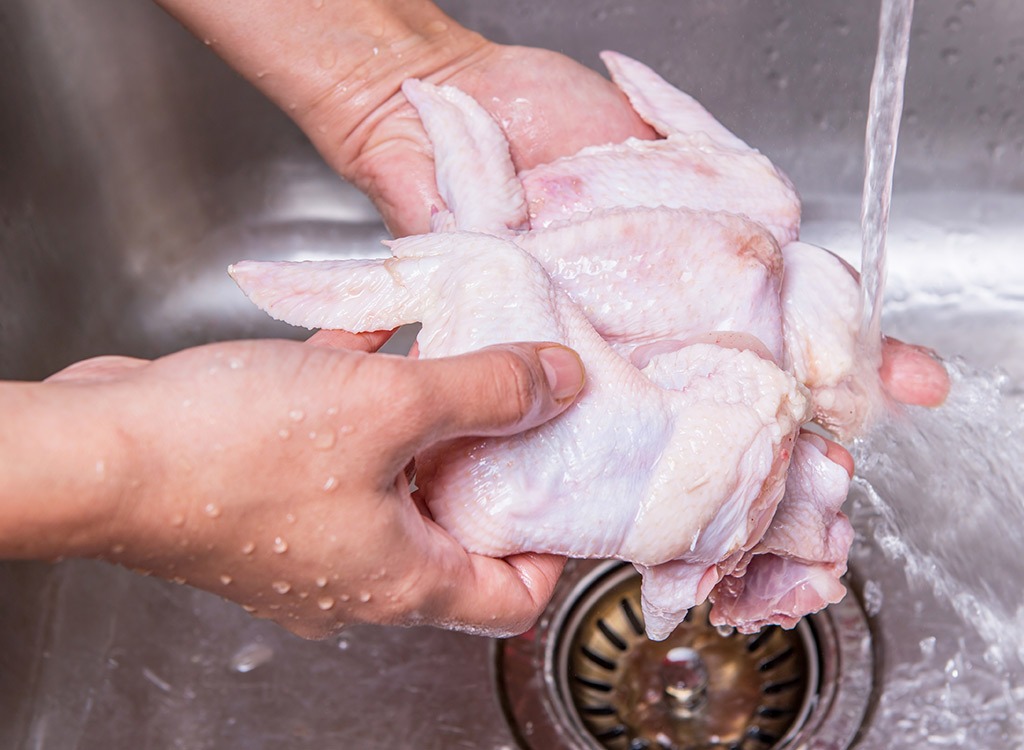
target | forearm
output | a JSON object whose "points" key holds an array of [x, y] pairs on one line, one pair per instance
{"points": [[61, 471], [330, 64]]}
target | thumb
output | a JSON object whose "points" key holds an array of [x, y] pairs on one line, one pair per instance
{"points": [[500, 390]]}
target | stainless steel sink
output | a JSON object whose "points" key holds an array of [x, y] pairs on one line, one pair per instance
{"points": [[134, 167]]}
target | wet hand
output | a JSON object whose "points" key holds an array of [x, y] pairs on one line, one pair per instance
{"points": [[275, 474]]}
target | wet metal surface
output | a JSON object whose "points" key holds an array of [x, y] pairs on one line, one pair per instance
{"points": [[135, 167]]}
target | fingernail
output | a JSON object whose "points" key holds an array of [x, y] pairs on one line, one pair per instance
{"points": [[817, 441], [564, 370]]}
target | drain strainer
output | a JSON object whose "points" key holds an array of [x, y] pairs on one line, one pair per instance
{"points": [[588, 677]]}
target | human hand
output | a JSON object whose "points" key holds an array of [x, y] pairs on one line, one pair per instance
{"points": [[337, 69], [274, 474]]}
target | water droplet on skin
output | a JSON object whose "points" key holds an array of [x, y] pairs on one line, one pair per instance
{"points": [[293, 106], [303, 594], [344, 597], [325, 603], [950, 56], [179, 580], [280, 545], [330, 484], [226, 579], [296, 415], [290, 517], [117, 549], [249, 609], [376, 51], [346, 429], [284, 434], [248, 548], [281, 587], [186, 403], [235, 363], [326, 57], [322, 440], [332, 410], [365, 596], [101, 469], [212, 510], [261, 74], [321, 582], [207, 42]]}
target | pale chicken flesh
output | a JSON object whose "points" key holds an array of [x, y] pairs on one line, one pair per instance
{"points": [[706, 348]]}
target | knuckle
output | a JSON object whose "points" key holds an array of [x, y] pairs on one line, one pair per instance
{"points": [[517, 383]]}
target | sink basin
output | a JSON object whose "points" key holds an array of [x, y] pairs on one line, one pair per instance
{"points": [[136, 166]]}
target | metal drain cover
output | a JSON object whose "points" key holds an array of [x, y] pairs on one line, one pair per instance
{"points": [[588, 677]]}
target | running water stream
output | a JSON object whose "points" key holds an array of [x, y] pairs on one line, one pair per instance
{"points": [[885, 110], [938, 506]]}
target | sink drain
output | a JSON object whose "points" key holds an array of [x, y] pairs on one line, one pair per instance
{"points": [[588, 677]]}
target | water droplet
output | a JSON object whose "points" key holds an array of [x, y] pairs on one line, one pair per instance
{"points": [[248, 608], [332, 410], [226, 579], [330, 484], [343, 644], [248, 548], [954, 24], [376, 51], [323, 439], [284, 434], [303, 594], [365, 596], [296, 415], [346, 429], [327, 57], [951, 56], [344, 597], [725, 631], [207, 41], [289, 517], [212, 510], [321, 581], [281, 587], [177, 520], [181, 580], [101, 469], [117, 549], [280, 545], [251, 656], [261, 74], [325, 602], [236, 363]]}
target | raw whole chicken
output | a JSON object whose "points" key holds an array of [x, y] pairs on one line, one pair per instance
{"points": [[706, 346]]}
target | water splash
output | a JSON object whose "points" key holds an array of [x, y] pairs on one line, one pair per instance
{"points": [[884, 112], [939, 501]]}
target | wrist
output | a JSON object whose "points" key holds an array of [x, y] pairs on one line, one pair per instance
{"points": [[64, 469]]}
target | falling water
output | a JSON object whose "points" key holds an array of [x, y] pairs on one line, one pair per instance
{"points": [[884, 112], [938, 500]]}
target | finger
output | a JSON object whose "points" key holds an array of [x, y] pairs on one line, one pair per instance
{"points": [[500, 390], [501, 598], [97, 369], [368, 342], [832, 450], [913, 375]]}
